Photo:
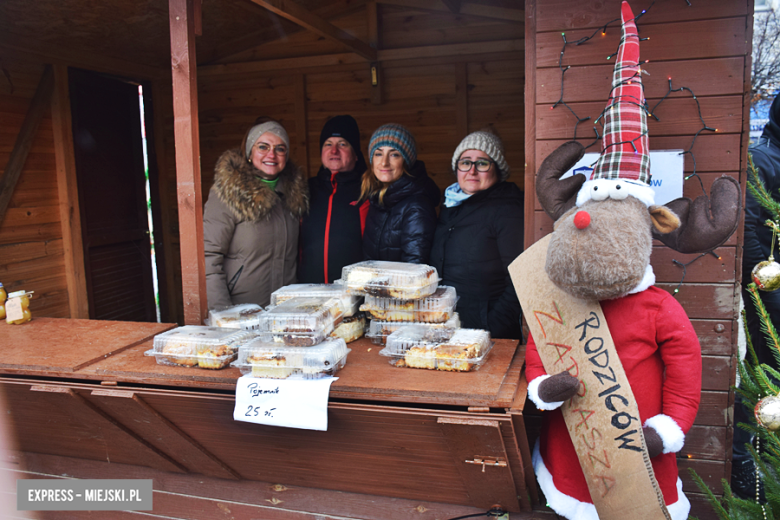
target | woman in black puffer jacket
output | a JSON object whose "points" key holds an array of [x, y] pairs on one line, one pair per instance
{"points": [[401, 217], [480, 232]]}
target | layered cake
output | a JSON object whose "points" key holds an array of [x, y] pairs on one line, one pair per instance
{"points": [[390, 279], [435, 308], [351, 328]]}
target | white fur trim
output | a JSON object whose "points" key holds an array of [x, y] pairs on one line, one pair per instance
{"points": [[573, 509], [639, 190], [680, 509], [533, 394], [564, 505], [647, 281], [669, 431]]}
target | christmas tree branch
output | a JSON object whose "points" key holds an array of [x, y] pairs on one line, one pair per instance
{"points": [[756, 187]]}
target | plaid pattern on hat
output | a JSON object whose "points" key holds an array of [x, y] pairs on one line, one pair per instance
{"points": [[625, 148], [395, 136]]}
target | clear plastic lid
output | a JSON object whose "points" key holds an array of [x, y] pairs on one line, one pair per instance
{"points": [[202, 336], [350, 303], [245, 316], [379, 330], [435, 308], [261, 358], [464, 350], [198, 346], [390, 279], [301, 322]]}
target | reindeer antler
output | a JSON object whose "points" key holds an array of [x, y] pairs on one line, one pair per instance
{"points": [[558, 196], [706, 223]]}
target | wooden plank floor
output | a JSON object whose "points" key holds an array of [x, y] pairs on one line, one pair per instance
{"points": [[196, 497]]}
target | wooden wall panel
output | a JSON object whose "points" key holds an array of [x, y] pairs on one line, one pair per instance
{"points": [[31, 253]]}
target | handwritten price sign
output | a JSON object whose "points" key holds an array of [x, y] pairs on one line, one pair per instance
{"points": [[292, 403]]}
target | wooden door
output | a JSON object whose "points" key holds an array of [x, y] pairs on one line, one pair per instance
{"points": [[112, 197]]}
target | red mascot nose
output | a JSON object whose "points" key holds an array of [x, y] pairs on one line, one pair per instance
{"points": [[582, 219]]}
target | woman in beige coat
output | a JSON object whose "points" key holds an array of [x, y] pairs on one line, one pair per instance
{"points": [[251, 219]]}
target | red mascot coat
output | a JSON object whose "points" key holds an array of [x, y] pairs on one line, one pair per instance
{"points": [[661, 356]]}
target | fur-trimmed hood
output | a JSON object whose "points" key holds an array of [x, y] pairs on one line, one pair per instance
{"points": [[238, 185]]}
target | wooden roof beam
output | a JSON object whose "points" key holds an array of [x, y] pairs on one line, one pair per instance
{"points": [[300, 15], [469, 8]]}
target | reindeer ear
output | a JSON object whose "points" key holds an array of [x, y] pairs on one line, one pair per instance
{"points": [[558, 196], [707, 222], [664, 219]]}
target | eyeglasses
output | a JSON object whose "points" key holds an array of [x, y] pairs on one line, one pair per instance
{"points": [[280, 149], [482, 165]]}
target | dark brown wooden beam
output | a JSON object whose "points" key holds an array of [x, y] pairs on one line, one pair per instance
{"points": [[244, 42], [40, 103], [331, 60], [468, 8], [300, 15], [187, 138]]}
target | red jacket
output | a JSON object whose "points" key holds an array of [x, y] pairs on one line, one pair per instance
{"points": [[661, 356]]}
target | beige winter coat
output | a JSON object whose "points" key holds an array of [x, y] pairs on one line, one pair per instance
{"points": [[250, 231]]}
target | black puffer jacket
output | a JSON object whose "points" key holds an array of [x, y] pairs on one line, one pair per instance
{"points": [[758, 237], [401, 229], [473, 245], [333, 208]]}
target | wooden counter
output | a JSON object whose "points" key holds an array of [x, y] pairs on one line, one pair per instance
{"points": [[84, 390]]}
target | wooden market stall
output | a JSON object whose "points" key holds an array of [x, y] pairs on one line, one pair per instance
{"points": [[78, 237]]}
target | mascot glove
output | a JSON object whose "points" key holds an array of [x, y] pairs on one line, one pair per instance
{"points": [[669, 432], [549, 392]]}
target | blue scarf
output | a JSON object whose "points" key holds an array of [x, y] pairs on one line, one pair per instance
{"points": [[454, 196]]}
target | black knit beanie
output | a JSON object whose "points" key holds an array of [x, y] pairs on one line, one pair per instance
{"points": [[342, 126]]}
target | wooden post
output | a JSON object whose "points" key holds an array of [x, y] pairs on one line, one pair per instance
{"points": [[187, 136], [529, 184], [67, 188], [301, 127], [372, 12], [462, 100]]}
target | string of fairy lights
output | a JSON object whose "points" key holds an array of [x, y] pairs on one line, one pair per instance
{"points": [[642, 103]]}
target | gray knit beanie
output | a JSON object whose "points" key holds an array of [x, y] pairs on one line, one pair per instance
{"points": [[487, 142], [258, 130]]}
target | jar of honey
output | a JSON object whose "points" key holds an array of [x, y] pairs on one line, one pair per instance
{"points": [[17, 308], [2, 302]]}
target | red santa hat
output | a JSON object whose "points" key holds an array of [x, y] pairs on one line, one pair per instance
{"points": [[624, 165]]}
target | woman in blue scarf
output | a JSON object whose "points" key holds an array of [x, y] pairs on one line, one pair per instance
{"points": [[479, 233]]}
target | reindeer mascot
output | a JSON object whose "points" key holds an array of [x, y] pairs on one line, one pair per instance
{"points": [[600, 250]]}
